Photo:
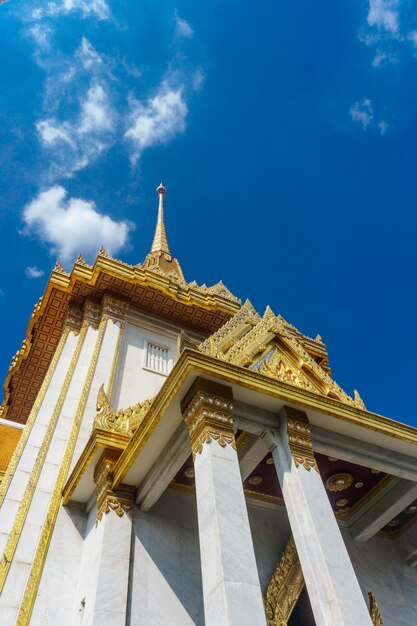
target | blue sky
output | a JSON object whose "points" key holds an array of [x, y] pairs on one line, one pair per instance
{"points": [[285, 134]]}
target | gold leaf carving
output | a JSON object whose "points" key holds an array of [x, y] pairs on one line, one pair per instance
{"points": [[299, 439], [125, 421], [284, 588], [374, 610], [207, 410]]}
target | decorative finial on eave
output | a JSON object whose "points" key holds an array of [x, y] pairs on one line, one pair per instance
{"points": [[160, 241], [102, 251], [58, 267]]}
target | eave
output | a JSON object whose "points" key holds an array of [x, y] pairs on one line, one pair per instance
{"points": [[191, 305], [260, 391]]}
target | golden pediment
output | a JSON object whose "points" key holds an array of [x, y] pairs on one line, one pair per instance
{"points": [[276, 349]]}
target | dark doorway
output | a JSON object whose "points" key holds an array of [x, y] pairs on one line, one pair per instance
{"points": [[302, 614]]}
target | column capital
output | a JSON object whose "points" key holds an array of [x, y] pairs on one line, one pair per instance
{"points": [[73, 319], [119, 500], [208, 412], [114, 308], [299, 437]]}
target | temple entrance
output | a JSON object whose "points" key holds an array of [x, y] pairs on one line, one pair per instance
{"points": [[302, 614]]}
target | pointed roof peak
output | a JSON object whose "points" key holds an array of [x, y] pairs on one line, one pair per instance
{"points": [[160, 241], [160, 255]]}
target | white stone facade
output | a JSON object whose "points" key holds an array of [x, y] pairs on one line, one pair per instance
{"points": [[179, 558]]}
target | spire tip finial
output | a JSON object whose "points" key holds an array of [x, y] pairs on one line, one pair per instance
{"points": [[161, 190]]}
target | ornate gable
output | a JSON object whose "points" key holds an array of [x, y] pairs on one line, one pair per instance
{"points": [[276, 349]]}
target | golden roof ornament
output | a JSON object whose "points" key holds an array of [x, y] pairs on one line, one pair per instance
{"points": [[160, 241], [58, 267], [160, 258]]}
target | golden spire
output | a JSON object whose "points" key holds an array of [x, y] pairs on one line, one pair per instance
{"points": [[160, 254], [160, 241]]}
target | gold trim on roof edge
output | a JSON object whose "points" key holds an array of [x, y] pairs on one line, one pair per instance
{"points": [[217, 297]]}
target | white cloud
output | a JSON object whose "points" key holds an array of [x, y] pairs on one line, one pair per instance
{"points": [[382, 59], [34, 272], [88, 8], [198, 79], [157, 121], [51, 132], [75, 144], [72, 225], [87, 55], [41, 33], [383, 127], [362, 113], [96, 113], [183, 28], [384, 15], [413, 37]]}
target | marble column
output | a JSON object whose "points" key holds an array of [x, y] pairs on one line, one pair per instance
{"points": [[101, 597], [333, 589], [231, 590]]}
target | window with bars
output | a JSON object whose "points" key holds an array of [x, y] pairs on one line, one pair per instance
{"points": [[157, 358]]}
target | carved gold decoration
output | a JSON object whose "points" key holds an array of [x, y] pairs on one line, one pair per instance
{"points": [[358, 400], [185, 341], [284, 588], [342, 502], [115, 358], [120, 500], [255, 480], [125, 421], [374, 610], [299, 439], [31, 420], [339, 481], [23, 509], [114, 308], [36, 569], [207, 410], [242, 440], [277, 366], [245, 339]]}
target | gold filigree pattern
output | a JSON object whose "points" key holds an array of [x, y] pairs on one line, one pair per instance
{"points": [[246, 337], [284, 588], [120, 500], [339, 482], [299, 439], [374, 610], [208, 413], [277, 366], [125, 421]]}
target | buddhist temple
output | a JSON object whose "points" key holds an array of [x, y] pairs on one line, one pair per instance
{"points": [[171, 456]]}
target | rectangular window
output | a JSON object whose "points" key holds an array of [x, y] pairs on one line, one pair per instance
{"points": [[157, 358]]}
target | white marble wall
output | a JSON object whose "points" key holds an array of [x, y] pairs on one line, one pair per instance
{"points": [[378, 564], [134, 382], [56, 596], [19, 569], [21, 476], [101, 376], [165, 580], [381, 568]]}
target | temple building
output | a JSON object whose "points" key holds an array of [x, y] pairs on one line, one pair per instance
{"points": [[170, 456]]}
